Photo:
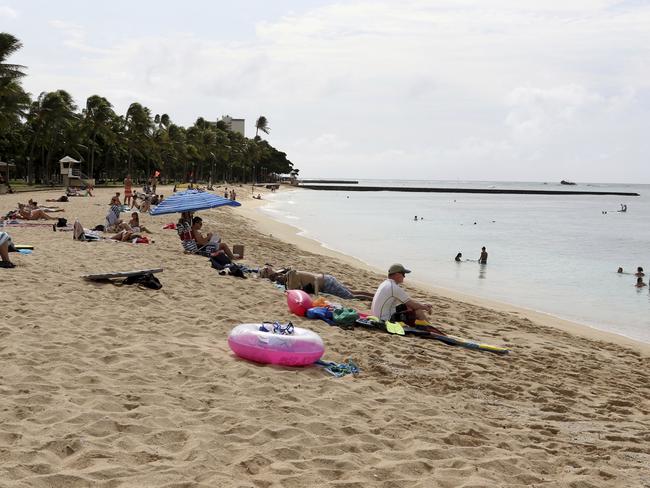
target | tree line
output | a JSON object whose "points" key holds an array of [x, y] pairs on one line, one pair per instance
{"points": [[36, 133]]}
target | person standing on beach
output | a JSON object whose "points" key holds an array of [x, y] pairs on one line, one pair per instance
{"points": [[128, 190], [483, 257], [392, 302]]}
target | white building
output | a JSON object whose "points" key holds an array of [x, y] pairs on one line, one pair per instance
{"points": [[235, 125]]}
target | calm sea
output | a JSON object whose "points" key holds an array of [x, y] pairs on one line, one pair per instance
{"points": [[551, 253]]}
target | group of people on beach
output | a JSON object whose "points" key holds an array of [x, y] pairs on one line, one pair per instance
{"points": [[389, 302]]}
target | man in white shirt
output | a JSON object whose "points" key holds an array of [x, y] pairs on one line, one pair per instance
{"points": [[391, 298]]}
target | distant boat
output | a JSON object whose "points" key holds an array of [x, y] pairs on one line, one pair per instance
{"points": [[565, 182]]}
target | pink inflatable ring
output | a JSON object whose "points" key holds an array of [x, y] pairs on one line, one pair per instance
{"points": [[300, 348]]}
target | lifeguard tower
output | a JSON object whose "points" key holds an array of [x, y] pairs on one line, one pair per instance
{"points": [[72, 175]]}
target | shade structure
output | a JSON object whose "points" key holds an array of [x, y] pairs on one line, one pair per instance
{"points": [[190, 201]]}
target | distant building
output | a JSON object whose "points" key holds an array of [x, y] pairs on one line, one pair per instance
{"points": [[235, 125]]}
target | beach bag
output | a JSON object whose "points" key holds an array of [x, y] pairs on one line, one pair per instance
{"points": [[147, 280], [220, 260], [238, 249], [321, 313], [345, 316], [61, 222]]}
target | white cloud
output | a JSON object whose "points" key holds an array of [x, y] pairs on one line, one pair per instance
{"points": [[75, 36], [8, 12]]}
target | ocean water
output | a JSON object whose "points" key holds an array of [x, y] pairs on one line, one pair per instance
{"points": [[556, 254]]}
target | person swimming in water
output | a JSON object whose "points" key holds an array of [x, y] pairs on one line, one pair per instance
{"points": [[639, 282], [639, 272], [458, 257]]}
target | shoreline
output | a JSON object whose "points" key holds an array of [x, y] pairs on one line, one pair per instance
{"points": [[291, 234]]}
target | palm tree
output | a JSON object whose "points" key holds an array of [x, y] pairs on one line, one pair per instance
{"points": [[262, 124], [97, 117], [9, 45], [13, 100]]}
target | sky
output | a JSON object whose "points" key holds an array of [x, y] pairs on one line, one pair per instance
{"points": [[515, 90]]}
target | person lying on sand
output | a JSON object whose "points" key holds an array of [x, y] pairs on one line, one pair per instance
{"points": [[5, 242], [33, 205], [24, 212], [312, 283], [210, 240], [62, 198]]}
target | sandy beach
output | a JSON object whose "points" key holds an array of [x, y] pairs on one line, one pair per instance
{"points": [[107, 386]]}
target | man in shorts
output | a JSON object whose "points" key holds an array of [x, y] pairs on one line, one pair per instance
{"points": [[391, 302]]}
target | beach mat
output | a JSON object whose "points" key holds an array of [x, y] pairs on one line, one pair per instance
{"points": [[427, 331], [120, 274]]}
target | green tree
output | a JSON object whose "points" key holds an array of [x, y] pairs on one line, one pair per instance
{"points": [[262, 124], [14, 102], [97, 117]]}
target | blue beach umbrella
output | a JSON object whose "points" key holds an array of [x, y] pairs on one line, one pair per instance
{"points": [[190, 201]]}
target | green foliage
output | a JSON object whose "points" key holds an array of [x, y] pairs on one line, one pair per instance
{"points": [[36, 134]]}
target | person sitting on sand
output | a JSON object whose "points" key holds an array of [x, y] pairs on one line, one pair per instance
{"points": [[639, 282], [184, 230], [113, 221], [639, 272], [5, 242], [458, 257], [26, 213], [391, 302], [211, 242], [314, 283], [134, 224]]}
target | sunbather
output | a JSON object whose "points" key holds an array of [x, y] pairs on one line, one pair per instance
{"points": [[24, 212], [5, 241], [33, 205], [62, 198], [312, 283], [134, 224], [212, 242]]}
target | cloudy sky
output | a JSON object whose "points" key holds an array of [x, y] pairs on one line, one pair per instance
{"points": [[537, 90]]}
